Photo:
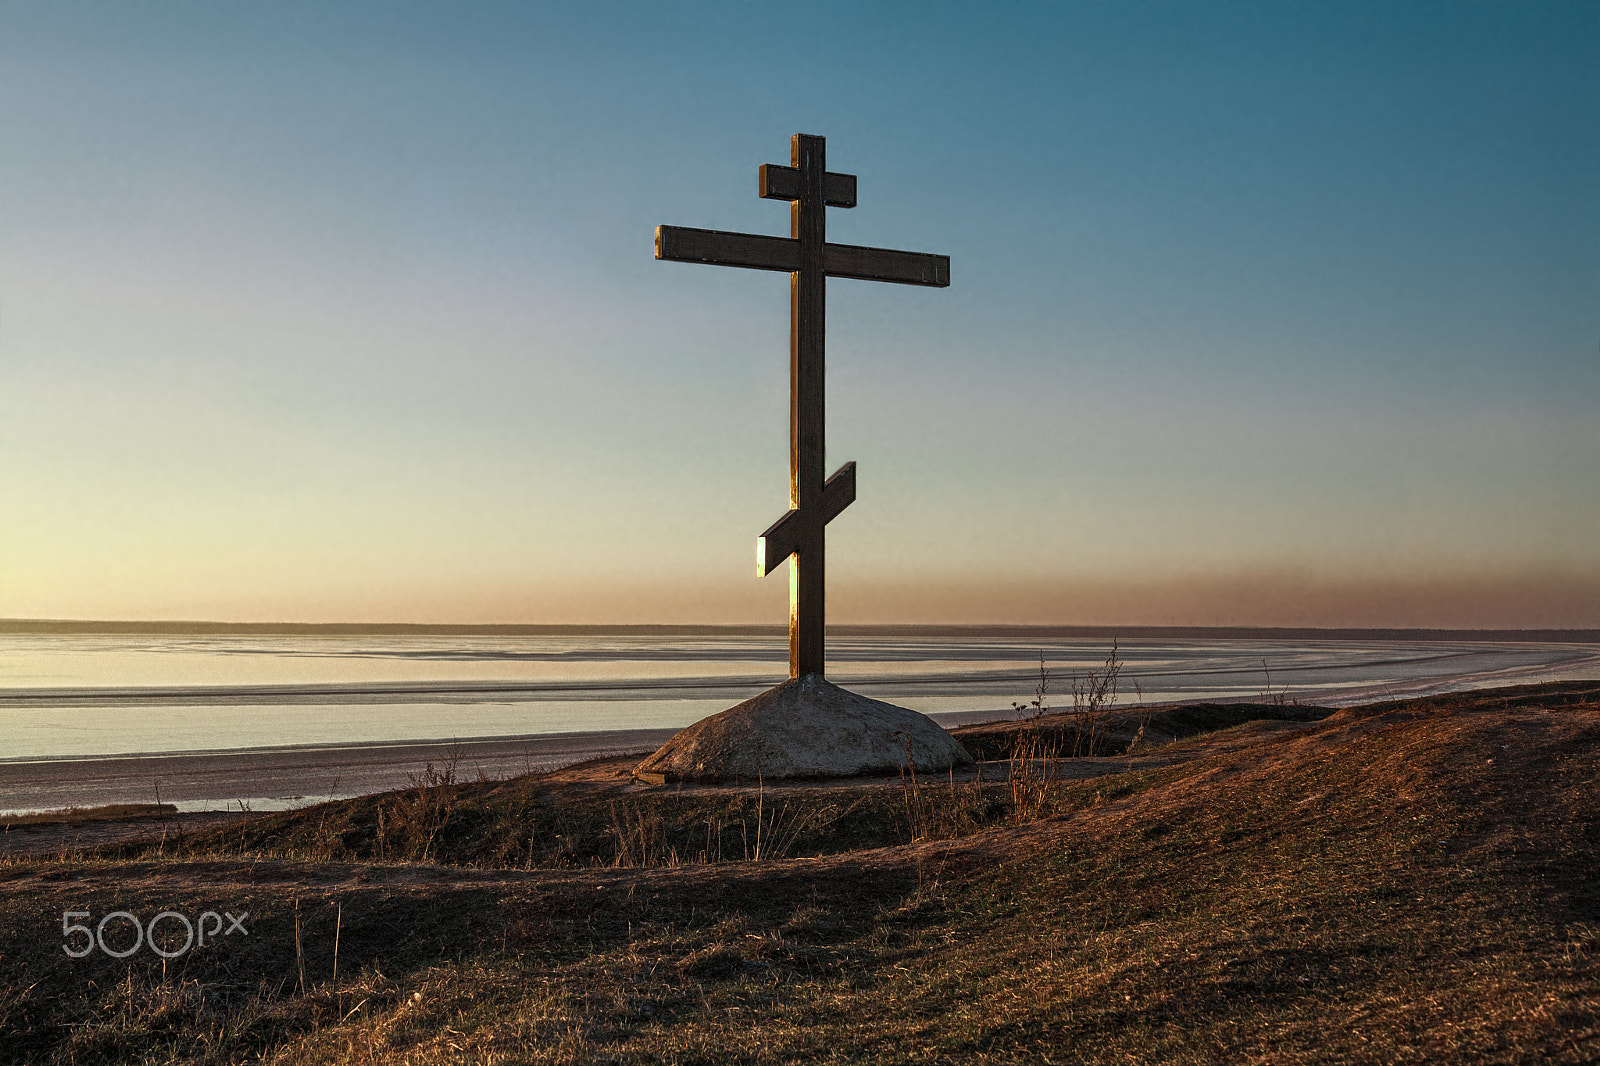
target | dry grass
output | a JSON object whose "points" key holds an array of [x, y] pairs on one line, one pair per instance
{"points": [[110, 812], [1413, 882]]}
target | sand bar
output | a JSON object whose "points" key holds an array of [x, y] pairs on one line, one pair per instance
{"points": [[289, 776]]}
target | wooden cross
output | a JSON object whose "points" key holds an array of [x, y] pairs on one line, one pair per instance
{"points": [[811, 189]]}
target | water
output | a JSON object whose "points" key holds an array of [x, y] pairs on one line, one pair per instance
{"points": [[68, 701], [96, 695]]}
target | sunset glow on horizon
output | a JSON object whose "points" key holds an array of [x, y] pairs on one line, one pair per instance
{"points": [[1258, 315]]}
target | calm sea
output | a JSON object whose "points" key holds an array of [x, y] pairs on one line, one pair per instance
{"points": [[74, 696]]}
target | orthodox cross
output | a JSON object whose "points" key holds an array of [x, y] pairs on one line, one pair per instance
{"points": [[811, 189]]}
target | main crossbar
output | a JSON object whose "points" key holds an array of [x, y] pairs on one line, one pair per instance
{"points": [[759, 252]]}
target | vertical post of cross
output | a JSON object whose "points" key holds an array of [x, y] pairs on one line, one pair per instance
{"points": [[808, 288]]}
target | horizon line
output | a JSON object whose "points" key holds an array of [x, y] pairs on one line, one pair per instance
{"points": [[135, 626]]}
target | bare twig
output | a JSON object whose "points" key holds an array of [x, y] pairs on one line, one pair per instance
{"points": [[299, 955]]}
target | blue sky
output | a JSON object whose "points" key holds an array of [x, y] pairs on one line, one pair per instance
{"points": [[1259, 314]]}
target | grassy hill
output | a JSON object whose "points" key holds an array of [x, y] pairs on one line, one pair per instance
{"points": [[1415, 881]]}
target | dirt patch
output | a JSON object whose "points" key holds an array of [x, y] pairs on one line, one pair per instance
{"points": [[60, 837]]}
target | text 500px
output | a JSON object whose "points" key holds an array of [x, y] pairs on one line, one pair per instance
{"points": [[127, 934]]}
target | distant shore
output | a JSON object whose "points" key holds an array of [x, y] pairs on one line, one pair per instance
{"points": [[67, 626]]}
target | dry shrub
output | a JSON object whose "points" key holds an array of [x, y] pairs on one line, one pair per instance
{"points": [[410, 826], [1035, 763], [1035, 768], [1094, 694], [641, 835], [938, 810]]}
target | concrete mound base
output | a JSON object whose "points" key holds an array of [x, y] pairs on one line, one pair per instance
{"points": [[806, 727]]}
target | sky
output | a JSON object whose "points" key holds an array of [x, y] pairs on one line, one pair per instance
{"points": [[1260, 313]]}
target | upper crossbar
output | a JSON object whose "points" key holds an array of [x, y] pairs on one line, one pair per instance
{"points": [[783, 183]]}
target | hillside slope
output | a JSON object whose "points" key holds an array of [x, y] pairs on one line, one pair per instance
{"points": [[1408, 882]]}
